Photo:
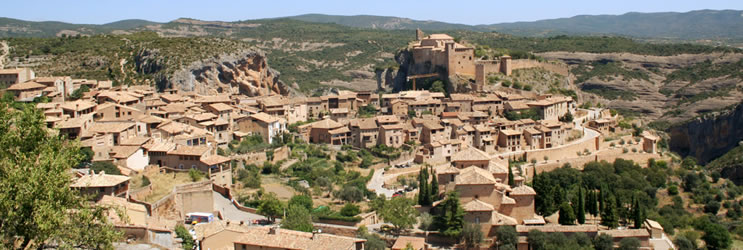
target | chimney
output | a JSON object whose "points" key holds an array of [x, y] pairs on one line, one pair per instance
{"points": [[273, 230]]}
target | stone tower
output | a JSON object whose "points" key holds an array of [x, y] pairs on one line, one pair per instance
{"points": [[418, 34]]}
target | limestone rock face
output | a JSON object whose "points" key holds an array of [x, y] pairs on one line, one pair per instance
{"points": [[247, 73], [709, 137]]}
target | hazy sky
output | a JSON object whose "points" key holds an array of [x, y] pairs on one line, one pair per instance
{"points": [[455, 11]]}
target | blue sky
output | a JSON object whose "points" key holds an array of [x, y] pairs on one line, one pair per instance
{"points": [[459, 11]]}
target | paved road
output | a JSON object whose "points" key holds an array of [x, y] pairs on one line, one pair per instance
{"points": [[230, 212], [377, 181]]}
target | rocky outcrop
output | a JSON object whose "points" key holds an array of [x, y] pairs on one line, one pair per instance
{"points": [[709, 137], [247, 73]]}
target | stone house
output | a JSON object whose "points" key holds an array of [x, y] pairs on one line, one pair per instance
{"points": [[99, 184], [509, 140], [329, 132], [364, 132], [391, 135], [27, 91], [12, 76], [262, 124]]}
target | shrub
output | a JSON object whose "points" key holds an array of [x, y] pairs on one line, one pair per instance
{"points": [[673, 190], [350, 210], [182, 232], [625, 150], [527, 87], [195, 174], [145, 181], [105, 166]]}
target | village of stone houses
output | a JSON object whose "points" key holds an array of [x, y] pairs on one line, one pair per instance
{"points": [[407, 169]]}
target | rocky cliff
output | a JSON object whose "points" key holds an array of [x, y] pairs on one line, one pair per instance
{"points": [[244, 72], [708, 137]]}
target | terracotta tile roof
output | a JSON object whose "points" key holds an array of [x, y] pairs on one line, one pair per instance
{"points": [[110, 127], [189, 150], [391, 127], [510, 132], [214, 160], [171, 97], [387, 119], [213, 99], [205, 230], [470, 154], [339, 130], [523, 190], [474, 176], [99, 180], [11, 71], [123, 152], [507, 200], [264, 117], [219, 107], [496, 168], [418, 243], [364, 123], [653, 224], [135, 141], [447, 169], [477, 205], [501, 219], [150, 119], [326, 124], [76, 122], [78, 105], [28, 85], [432, 125], [516, 105], [289, 239]]}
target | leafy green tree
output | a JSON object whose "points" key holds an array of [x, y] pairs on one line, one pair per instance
{"points": [[182, 232], [270, 206], [36, 201], [716, 236], [450, 219], [567, 217], [425, 220], [350, 210], [683, 243], [377, 204], [350, 194], [537, 240], [301, 200], [507, 236], [472, 235], [297, 218], [374, 242], [438, 86], [107, 167], [603, 242], [400, 212], [629, 244]]}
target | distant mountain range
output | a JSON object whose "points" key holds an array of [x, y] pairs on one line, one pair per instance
{"points": [[695, 25]]}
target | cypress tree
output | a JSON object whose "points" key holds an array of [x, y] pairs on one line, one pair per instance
{"points": [[609, 213], [592, 200], [425, 194], [434, 187], [422, 192], [581, 207], [638, 214], [510, 176]]}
